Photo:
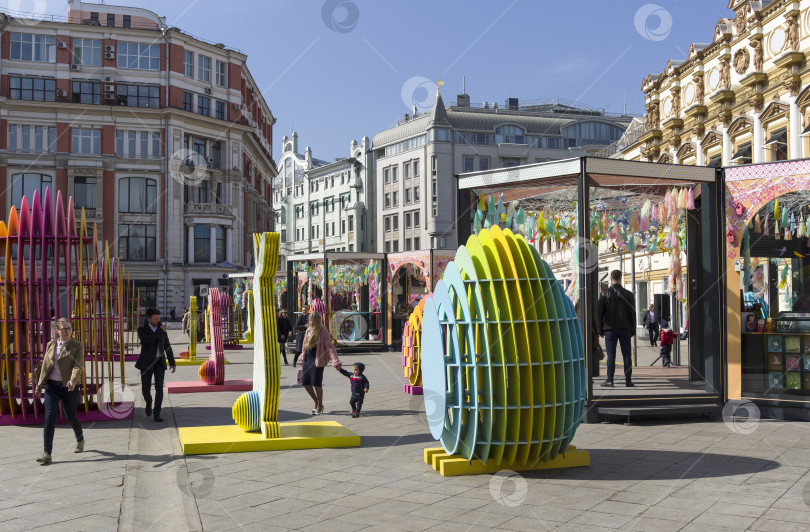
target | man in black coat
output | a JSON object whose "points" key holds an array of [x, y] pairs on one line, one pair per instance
{"points": [[616, 322], [155, 348], [300, 330], [284, 330], [650, 322]]}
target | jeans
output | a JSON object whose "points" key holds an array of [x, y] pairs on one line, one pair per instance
{"points": [[356, 402], [54, 393], [666, 351], [622, 336], [146, 386], [653, 328]]}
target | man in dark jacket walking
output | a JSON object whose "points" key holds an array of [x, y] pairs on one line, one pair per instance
{"points": [[650, 322], [616, 322], [284, 330], [300, 329], [155, 348]]}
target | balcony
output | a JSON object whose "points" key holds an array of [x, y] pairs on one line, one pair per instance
{"points": [[89, 214]]}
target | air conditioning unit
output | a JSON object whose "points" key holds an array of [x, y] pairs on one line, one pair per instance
{"points": [[109, 48], [109, 55], [208, 90], [109, 79], [109, 96], [75, 67], [210, 161], [109, 88], [61, 44], [61, 93], [237, 106]]}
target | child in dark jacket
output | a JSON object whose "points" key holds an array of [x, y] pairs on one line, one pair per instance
{"points": [[359, 387], [667, 339]]}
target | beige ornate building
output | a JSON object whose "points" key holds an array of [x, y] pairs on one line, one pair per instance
{"points": [[742, 98]]}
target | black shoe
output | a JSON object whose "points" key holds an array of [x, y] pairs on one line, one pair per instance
{"points": [[608, 384], [158, 418], [629, 384], [148, 410]]}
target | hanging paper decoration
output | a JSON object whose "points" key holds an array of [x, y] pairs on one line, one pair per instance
{"points": [[690, 200], [757, 224]]}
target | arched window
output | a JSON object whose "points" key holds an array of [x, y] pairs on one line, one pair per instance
{"points": [[509, 135], [26, 184], [137, 195], [585, 133]]}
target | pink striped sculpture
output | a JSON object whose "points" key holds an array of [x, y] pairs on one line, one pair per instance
{"points": [[212, 371]]}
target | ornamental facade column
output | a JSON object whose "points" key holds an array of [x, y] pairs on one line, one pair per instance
{"points": [[726, 147], [795, 120], [757, 155], [212, 251]]}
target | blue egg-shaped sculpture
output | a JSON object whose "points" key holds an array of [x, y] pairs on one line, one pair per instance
{"points": [[503, 366]]}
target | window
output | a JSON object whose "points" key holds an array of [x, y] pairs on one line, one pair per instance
{"points": [[34, 89], [387, 224], [127, 23], [84, 192], [508, 162], [202, 243], [407, 220], [203, 68], [387, 200], [19, 138], [434, 172], [407, 195], [343, 227], [406, 171], [469, 163], [483, 163], [388, 247], [188, 63], [27, 184], [416, 243], [38, 139], [416, 218], [110, 20], [187, 101], [395, 222], [144, 147], [416, 193], [12, 137], [386, 173], [203, 105], [51, 140], [219, 110], [396, 246], [94, 17], [216, 154], [396, 198], [137, 195], [416, 168], [29, 47], [119, 143], [86, 92], [351, 223], [26, 139], [137, 242], [87, 52], [220, 79], [394, 176], [586, 133], [132, 138], [509, 135], [220, 238], [156, 145], [140, 56], [140, 95], [86, 141]]}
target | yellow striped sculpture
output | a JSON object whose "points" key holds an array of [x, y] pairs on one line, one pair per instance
{"points": [[411, 337], [503, 366], [258, 409]]}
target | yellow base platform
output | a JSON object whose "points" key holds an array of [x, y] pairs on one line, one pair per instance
{"points": [[232, 439], [454, 465], [187, 362]]}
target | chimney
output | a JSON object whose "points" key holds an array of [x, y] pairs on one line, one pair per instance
{"points": [[463, 100], [512, 104], [407, 117]]}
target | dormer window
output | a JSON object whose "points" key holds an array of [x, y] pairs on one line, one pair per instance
{"points": [[509, 135]]}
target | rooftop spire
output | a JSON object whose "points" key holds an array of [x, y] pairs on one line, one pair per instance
{"points": [[439, 115]]}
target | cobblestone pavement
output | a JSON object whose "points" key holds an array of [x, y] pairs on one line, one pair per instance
{"points": [[685, 475]]}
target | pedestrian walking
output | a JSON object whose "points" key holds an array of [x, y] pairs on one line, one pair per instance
{"points": [[59, 376], [284, 330], [173, 314], [186, 321], [359, 384], [667, 339], [650, 322], [300, 330], [318, 349], [616, 323], [155, 349]]}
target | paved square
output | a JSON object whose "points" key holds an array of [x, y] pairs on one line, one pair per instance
{"points": [[685, 475]]}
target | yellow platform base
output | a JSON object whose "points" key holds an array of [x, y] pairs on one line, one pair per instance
{"points": [[454, 465], [187, 362], [232, 439]]}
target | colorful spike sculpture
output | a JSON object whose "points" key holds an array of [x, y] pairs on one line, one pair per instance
{"points": [[212, 371], [503, 368], [73, 281], [247, 337], [266, 362], [411, 363]]}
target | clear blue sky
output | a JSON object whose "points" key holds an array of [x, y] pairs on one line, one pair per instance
{"points": [[334, 86]]}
